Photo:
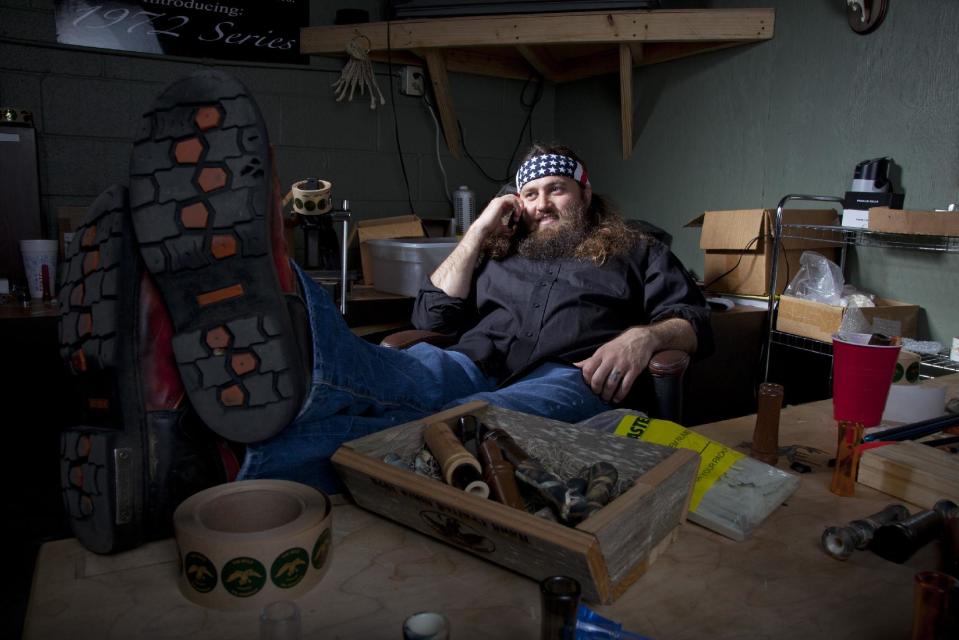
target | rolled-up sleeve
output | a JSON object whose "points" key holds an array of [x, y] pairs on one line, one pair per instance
{"points": [[672, 293], [436, 311]]}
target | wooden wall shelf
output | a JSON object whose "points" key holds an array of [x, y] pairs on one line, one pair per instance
{"points": [[560, 47]]}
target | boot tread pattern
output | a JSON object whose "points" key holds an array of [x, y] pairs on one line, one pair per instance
{"points": [[87, 295], [200, 196], [86, 486], [94, 299]]}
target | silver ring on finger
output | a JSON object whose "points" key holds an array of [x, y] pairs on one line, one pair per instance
{"points": [[615, 375]]}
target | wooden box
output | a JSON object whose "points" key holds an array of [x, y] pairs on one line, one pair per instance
{"points": [[606, 553], [819, 321]]}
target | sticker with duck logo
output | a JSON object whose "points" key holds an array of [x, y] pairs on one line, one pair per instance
{"points": [[200, 572], [289, 567], [244, 577], [321, 549]]}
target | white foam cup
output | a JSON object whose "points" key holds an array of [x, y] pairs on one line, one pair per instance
{"points": [[36, 254]]}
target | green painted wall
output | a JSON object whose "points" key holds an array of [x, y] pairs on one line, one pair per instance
{"points": [[740, 128]]}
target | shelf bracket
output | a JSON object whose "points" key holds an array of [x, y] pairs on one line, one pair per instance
{"points": [[626, 97], [542, 62], [436, 67]]}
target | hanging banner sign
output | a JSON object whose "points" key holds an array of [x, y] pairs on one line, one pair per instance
{"points": [[264, 30]]}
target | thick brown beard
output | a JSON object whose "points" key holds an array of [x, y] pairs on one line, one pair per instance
{"points": [[559, 240], [604, 235]]}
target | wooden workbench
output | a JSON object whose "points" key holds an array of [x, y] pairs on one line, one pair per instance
{"points": [[776, 584]]}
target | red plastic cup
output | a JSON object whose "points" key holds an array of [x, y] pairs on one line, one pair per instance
{"points": [[861, 377]]}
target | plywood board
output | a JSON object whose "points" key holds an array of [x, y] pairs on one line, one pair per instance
{"points": [[914, 472]]}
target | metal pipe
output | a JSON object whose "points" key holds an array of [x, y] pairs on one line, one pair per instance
{"points": [[343, 216], [774, 270]]}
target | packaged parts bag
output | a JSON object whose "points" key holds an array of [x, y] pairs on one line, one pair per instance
{"points": [[733, 493], [819, 279]]}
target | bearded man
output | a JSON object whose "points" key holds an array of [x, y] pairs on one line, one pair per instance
{"points": [[565, 280], [557, 305]]}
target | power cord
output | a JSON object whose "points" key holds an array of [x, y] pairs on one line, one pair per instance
{"points": [[396, 124], [735, 266], [527, 124], [439, 160]]}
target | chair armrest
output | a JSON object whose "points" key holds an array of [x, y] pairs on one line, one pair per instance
{"points": [[671, 362], [668, 369], [406, 339]]}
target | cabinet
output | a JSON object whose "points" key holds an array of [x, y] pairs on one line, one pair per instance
{"points": [[843, 237]]}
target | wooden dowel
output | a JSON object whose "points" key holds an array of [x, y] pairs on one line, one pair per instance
{"points": [[460, 469]]}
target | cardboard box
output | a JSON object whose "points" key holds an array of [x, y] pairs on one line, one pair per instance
{"points": [[819, 321], [396, 227], [857, 204], [926, 223], [738, 246], [606, 553]]}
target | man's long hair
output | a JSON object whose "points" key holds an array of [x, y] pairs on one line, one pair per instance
{"points": [[607, 234]]}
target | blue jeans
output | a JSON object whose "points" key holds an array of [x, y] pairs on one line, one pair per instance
{"points": [[360, 388]]}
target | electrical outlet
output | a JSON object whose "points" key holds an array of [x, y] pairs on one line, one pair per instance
{"points": [[412, 81]]}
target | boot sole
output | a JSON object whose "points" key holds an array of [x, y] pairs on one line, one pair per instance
{"points": [[102, 466], [124, 468], [200, 197]]}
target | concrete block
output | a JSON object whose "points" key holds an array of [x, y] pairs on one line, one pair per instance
{"points": [[108, 108], [78, 62], [81, 167], [324, 123], [417, 131], [297, 163], [459, 172], [26, 24], [122, 67], [371, 175], [23, 91], [50, 60], [23, 58]]}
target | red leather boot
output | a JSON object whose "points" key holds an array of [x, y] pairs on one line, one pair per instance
{"points": [[203, 199], [138, 449]]}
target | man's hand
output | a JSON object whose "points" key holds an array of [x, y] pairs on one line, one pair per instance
{"points": [[454, 274], [499, 216], [611, 371]]}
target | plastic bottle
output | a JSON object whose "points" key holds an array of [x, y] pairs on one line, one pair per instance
{"points": [[464, 208]]}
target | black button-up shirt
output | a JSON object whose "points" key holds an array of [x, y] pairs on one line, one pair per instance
{"points": [[522, 312]]}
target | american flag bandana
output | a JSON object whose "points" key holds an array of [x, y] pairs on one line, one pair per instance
{"points": [[550, 164]]}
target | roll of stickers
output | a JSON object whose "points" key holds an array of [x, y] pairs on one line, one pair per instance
{"points": [[245, 544], [907, 368], [312, 197]]}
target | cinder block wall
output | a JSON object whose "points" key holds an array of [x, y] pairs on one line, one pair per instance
{"points": [[87, 103]]}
